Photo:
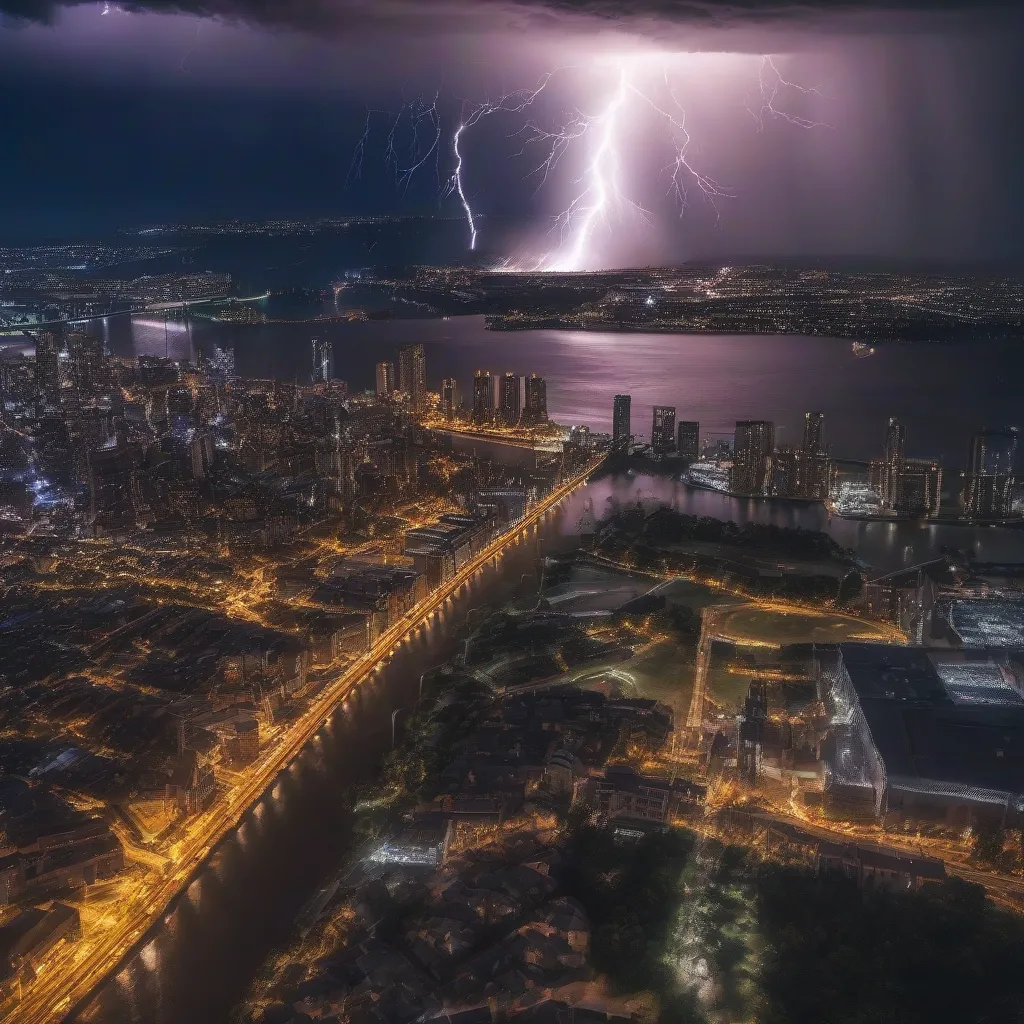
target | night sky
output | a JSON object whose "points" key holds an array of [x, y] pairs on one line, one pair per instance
{"points": [[163, 112]]}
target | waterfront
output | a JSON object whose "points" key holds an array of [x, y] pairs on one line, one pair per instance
{"points": [[242, 902], [884, 546], [944, 393]]}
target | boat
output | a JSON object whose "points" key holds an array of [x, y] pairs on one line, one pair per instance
{"points": [[861, 349]]}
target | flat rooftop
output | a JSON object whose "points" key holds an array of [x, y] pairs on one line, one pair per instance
{"points": [[924, 728], [982, 623]]}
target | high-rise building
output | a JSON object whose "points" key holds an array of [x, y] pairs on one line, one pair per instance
{"points": [[621, 431], [786, 471], [385, 379], [449, 397], [48, 346], [483, 397], [510, 407], [688, 439], [412, 374], [323, 361], [990, 481], [535, 409], [663, 430], [221, 365], [804, 472], [797, 473], [115, 496], [752, 457], [815, 475], [813, 423], [920, 488], [85, 354], [994, 451], [202, 453], [892, 462]]}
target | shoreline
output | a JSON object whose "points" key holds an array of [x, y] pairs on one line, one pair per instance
{"points": [[224, 820]]}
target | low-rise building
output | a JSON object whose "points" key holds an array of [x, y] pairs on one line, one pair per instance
{"points": [[620, 793], [878, 869], [424, 842], [28, 938]]}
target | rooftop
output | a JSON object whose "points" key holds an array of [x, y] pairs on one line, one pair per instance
{"points": [[988, 623], [928, 737]]}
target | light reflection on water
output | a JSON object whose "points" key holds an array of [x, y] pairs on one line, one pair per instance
{"points": [[259, 878], [944, 393], [885, 546], [298, 833]]}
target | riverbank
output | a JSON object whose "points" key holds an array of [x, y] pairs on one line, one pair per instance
{"points": [[89, 963]]}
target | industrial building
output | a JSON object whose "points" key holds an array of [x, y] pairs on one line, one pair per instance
{"points": [[923, 735]]}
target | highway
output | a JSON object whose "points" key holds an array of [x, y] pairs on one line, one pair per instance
{"points": [[68, 979], [545, 445], [1006, 891]]}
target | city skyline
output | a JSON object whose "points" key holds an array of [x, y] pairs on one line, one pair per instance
{"points": [[511, 511]]}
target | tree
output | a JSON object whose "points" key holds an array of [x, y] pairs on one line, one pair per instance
{"points": [[850, 588], [988, 844]]}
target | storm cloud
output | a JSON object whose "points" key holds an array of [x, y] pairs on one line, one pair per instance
{"points": [[443, 15]]}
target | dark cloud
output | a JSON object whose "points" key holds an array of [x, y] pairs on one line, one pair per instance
{"points": [[342, 15]]}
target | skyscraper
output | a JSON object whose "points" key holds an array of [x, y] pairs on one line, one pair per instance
{"points": [[115, 494], [920, 487], [511, 403], [621, 421], [752, 458], [412, 374], [663, 430], [385, 379], [815, 475], [323, 361], [990, 482], [221, 365], [892, 462], [688, 439], [806, 472], [48, 345], [813, 422], [535, 409], [483, 397], [994, 451], [449, 397], [797, 473], [85, 352]]}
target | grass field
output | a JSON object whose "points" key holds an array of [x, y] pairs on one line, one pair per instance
{"points": [[759, 624]]}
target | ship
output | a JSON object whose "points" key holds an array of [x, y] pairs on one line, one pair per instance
{"points": [[861, 349]]}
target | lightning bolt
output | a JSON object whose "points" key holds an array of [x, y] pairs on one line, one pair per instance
{"points": [[603, 183], [510, 103], [417, 118], [601, 189], [771, 84], [602, 177], [456, 185]]}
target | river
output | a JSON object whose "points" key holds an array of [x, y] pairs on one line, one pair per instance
{"points": [[944, 393], [242, 904]]}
